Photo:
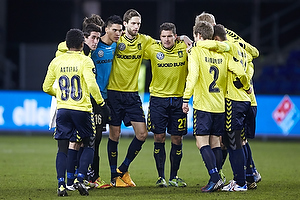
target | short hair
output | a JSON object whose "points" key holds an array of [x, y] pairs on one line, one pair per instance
{"points": [[167, 26], [90, 28], [205, 29], [129, 14], [114, 19], [219, 30], [74, 38], [206, 17], [93, 19]]}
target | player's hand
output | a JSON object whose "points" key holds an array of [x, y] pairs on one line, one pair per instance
{"points": [[249, 91], [185, 107], [105, 110]]}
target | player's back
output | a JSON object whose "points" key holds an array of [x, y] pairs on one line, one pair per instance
{"points": [[72, 70], [210, 89]]}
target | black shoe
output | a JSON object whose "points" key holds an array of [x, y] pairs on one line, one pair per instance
{"points": [[81, 188], [61, 191], [251, 186]]}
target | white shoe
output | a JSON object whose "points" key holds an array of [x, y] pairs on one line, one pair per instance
{"points": [[233, 186], [70, 187], [257, 176]]}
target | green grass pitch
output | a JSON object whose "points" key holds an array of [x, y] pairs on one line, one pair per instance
{"points": [[27, 171]]}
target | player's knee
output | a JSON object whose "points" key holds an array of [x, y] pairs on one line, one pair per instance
{"points": [[74, 145], [142, 135], [176, 139], [160, 138]]}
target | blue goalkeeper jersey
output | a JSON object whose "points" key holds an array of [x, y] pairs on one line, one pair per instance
{"points": [[103, 58]]}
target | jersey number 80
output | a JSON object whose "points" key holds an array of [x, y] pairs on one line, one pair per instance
{"points": [[70, 88]]}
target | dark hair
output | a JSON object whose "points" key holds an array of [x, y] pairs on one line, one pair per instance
{"points": [[167, 26], [114, 19], [219, 30], [90, 28], [74, 38], [129, 14], [93, 19]]}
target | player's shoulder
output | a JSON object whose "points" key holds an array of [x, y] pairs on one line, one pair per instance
{"points": [[61, 48]]}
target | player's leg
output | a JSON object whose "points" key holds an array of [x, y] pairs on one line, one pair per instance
{"points": [[132, 151], [156, 123], [63, 132], [177, 127], [61, 166], [250, 127], [135, 115], [112, 152], [84, 123], [72, 162], [94, 171], [114, 101], [160, 158], [205, 124], [234, 125], [175, 159]]}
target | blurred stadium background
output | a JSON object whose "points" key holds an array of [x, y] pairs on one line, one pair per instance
{"points": [[30, 31]]}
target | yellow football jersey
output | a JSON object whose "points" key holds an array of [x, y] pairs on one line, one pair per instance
{"points": [[214, 45], [238, 57], [206, 80], [76, 81], [233, 37], [249, 72], [169, 69], [62, 48], [127, 61]]}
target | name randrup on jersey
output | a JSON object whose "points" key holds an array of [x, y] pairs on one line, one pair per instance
{"points": [[213, 60]]}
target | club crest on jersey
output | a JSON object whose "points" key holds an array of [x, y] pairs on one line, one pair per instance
{"points": [[100, 53], [139, 46], [160, 56], [180, 54], [122, 47]]}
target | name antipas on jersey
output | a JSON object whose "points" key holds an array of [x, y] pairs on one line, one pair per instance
{"points": [[69, 69], [171, 64]]}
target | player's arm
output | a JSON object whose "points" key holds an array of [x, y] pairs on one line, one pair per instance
{"points": [[92, 85], [49, 81], [214, 45], [242, 79], [193, 75], [250, 49], [233, 37], [188, 42]]}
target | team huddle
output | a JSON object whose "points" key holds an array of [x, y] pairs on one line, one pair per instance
{"points": [[94, 81]]}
